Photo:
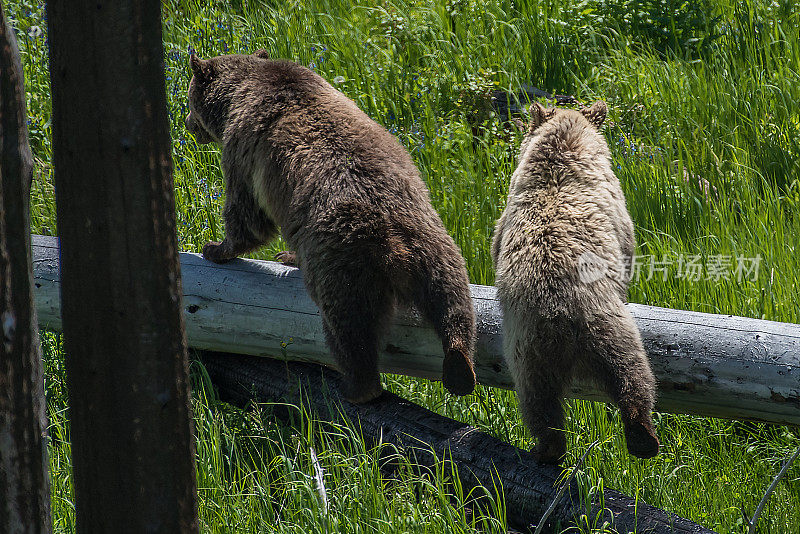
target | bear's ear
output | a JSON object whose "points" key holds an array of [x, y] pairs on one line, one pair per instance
{"points": [[596, 114], [263, 54], [200, 68], [539, 114]]}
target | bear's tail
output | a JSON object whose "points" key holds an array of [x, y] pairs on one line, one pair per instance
{"points": [[446, 302]]}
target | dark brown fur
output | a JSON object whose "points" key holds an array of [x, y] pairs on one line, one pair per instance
{"points": [[566, 206], [300, 156]]}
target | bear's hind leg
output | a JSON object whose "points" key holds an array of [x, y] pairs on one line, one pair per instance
{"points": [[543, 413], [357, 307], [355, 349], [445, 301], [619, 362], [540, 392]]}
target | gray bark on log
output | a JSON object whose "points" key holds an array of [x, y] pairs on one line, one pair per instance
{"points": [[428, 438], [710, 365], [124, 343], [24, 475]]}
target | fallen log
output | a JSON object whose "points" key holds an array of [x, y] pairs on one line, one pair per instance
{"points": [[705, 364], [482, 461]]}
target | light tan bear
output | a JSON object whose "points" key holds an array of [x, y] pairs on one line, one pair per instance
{"points": [[560, 250]]}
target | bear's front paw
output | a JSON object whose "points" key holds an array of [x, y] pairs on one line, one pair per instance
{"points": [[215, 251], [287, 257]]}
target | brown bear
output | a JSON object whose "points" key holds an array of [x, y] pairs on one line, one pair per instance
{"points": [[300, 156], [560, 250]]}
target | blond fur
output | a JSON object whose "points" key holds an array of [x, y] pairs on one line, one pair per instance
{"points": [[560, 251]]}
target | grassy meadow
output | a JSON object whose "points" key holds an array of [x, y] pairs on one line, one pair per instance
{"points": [[704, 128]]}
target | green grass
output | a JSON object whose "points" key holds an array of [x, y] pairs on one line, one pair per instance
{"points": [[705, 89]]}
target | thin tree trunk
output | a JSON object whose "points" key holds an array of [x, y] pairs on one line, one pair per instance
{"points": [[24, 476], [125, 348]]}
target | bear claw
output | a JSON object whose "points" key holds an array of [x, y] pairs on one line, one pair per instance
{"points": [[287, 257]]}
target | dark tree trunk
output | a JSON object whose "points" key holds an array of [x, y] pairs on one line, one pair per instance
{"points": [[24, 476], [127, 372], [482, 460]]}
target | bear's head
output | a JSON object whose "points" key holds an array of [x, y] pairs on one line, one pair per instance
{"points": [[210, 91], [594, 115]]}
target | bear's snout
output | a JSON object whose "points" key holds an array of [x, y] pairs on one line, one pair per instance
{"points": [[194, 128]]}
